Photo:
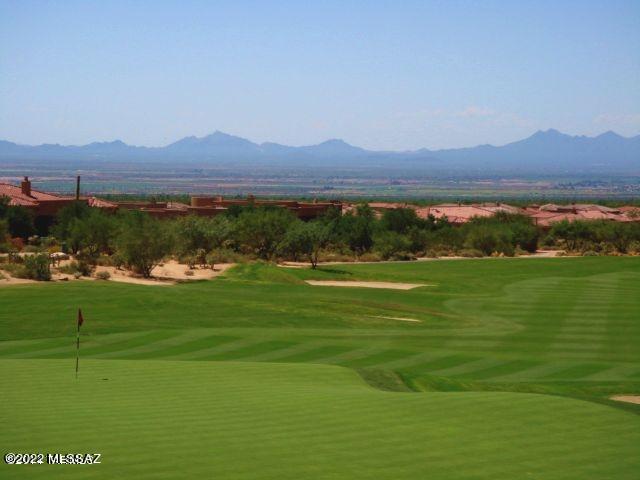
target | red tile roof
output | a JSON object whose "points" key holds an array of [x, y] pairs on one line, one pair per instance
{"points": [[16, 196], [549, 214], [456, 213]]}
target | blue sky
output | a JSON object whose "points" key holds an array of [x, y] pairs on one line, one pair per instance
{"points": [[384, 75]]}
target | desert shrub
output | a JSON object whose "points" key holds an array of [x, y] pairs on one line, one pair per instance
{"points": [[37, 267], [439, 252], [15, 257], [49, 241], [448, 238], [471, 253], [70, 268], [337, 256], [590, 253], [80, 266], [103, 275], [369, 257], [489, 239], [14, 269], [400, 220], [391, 244], [77, 275], [85, 268], [189, 273], [573, 235], [32, 249], [224, 255], [117, 260], [105, 260], [188, 259]]}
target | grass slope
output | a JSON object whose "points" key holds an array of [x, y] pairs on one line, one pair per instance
{"points": [[285, 421], [566, 327], [545, 325]]}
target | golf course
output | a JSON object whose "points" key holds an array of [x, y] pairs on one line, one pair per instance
{"points": [[495, 368]]}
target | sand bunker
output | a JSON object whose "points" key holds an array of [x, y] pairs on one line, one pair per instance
{"points": [[168, 273], [346, 283], [627, 398], [399, 319]]}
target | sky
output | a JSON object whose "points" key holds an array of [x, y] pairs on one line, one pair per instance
{"points": [[387, 75]]}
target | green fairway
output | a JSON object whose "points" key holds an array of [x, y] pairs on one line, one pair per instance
{"points": [[248, 420], [187, 377]]}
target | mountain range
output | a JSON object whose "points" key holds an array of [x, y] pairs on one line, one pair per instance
{"points": [[543, 152]]}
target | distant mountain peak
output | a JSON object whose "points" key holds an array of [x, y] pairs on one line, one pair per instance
{"points": [[610, 134], [543, 151], [549, 133], [335, 141]]}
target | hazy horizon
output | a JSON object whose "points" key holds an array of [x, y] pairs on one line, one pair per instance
{"points": [[231, 134], [380, 76]]}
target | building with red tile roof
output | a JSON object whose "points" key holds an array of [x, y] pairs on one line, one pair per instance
{"points": [[40, 203], [546, 215], [457, 213]]}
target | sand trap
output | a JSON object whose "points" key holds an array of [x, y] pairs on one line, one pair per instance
{"points": [[345, 283], [399, 319], [167, 274], [627, 398]]}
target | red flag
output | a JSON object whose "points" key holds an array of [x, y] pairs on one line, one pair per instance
{"points": [[80, 319]]}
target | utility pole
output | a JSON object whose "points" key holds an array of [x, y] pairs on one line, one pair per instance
{"points": [[78, 188]]}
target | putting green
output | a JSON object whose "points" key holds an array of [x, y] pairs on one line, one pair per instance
{"points": [[229, 420]]}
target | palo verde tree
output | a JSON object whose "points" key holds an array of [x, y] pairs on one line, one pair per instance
{"points": [[143, 241], [305, 240], [261, 230]]}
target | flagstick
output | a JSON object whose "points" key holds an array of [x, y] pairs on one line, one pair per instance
{"points": [[77, 350]]}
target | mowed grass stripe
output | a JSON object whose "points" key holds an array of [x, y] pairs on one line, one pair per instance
{"points": [[376, 359], [207, 341], [250, 350], [22, 347], [115, 347], [324, 351], [209, 351], [577, 372], [440, 363], [67, 346], [512, 367]]}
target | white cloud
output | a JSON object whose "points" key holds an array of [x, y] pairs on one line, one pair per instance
{"points": [[475, 111], [617, 120]]}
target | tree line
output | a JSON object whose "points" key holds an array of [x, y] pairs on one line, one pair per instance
{"points": [[137, 241]]}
